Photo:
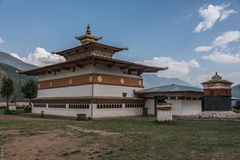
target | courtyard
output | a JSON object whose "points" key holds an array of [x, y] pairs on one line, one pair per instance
{"points": [[118, 138]]}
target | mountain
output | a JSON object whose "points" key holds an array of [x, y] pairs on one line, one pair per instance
{"points": [[6, 58], [152, 80], [10, 71], [7, 70], [8, 67], [236, 91]]}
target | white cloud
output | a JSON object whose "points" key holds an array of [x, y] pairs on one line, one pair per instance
{"points": [[16, 56], [223, 57], [219, 50], [176, 68], [1, 40], [40, 57], [211, 14], [199, 79], [203, 49], [221, 41], [225, 38], [233, 77], [227, 13]]}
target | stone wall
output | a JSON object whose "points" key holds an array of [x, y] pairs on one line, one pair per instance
{"points": [[219, 114]]}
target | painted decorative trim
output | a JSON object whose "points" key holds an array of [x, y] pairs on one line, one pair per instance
{"points": [[164, 108], [91, 79]]}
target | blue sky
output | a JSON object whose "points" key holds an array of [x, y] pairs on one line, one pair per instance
{"points": [[168, 30]]}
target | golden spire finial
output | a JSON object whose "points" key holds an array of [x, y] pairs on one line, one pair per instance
{"points": [[216, 77], [88, 31], [88, 37]]}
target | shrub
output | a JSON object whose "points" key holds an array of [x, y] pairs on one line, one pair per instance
{"points": [[20, 107], [7, 111], [28, 109]]}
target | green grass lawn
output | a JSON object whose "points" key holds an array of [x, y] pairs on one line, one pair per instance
{"points": [[144, 138]]}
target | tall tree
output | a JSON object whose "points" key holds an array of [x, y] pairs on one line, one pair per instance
{"points": [[29, 89], [7, 89]]}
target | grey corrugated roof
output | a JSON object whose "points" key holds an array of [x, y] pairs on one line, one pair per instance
{"points": [[171, 88]]}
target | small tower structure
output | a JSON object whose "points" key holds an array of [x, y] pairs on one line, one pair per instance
{"points": [[88, 37], [217, 94]]}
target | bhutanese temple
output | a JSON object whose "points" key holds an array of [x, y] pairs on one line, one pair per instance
{"points": [[217, 94], [90, 82]]}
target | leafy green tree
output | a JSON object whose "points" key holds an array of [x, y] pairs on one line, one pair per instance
{"points": [[7, 89], [29, 89]]}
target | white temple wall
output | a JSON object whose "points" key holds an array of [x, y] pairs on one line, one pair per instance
{"points": [[185, 107], [97, 113], [176, 106], [86, 90], [112, 71], [113, 90], [150, 104], [66, 73], [88, 69], [191, 107], [179, 107], [62, 111], [73, 91], [117, 112]]}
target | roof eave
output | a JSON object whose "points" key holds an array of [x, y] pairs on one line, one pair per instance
{"points": [[101, 60], [115, 49]]}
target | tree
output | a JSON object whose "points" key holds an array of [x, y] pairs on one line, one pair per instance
{"points": [[7, 89], [29, 89]]}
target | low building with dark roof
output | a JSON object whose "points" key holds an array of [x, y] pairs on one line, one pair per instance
{"points": [[185, 100]]}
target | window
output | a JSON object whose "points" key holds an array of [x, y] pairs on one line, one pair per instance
{"points": [[124, 94], [126, 71], [79, 106], [135, 105], [108, 106], [56, 105], [41, 105]]}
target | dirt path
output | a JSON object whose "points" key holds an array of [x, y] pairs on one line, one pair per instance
{"points": [[75, 144], [99, 132], [17, 117], [50, 147]]}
